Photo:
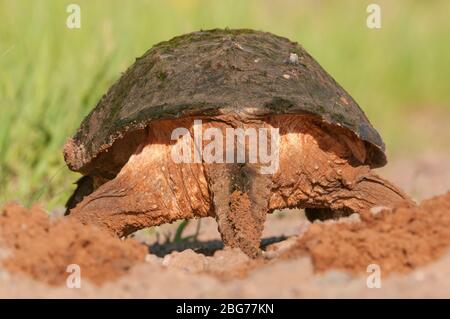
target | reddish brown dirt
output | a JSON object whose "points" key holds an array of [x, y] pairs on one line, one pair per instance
{"points": [[412, 241], [394, 239], [398, 240], [42, 248]]}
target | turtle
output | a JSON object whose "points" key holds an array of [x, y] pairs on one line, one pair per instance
{"points": [[220, 81]]}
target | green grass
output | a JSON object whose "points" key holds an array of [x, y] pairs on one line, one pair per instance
{"points": [[51, 76]]}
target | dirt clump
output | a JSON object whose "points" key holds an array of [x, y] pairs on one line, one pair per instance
{"points": [[398, 240], [43, 248], [225, 264]]}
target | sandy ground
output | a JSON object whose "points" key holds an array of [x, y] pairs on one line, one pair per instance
{"points": [[204, 269]]}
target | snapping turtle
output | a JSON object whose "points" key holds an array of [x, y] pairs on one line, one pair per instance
{"points": [[242, 90]]}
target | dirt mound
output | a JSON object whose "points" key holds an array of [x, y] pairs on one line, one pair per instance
{"points": [[397, 240], [42, 248]]}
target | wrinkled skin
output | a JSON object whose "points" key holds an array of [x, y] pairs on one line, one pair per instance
{"points": [[321, 168]]}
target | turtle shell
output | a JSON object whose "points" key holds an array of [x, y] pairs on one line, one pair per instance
{"points": [[210, 73]]}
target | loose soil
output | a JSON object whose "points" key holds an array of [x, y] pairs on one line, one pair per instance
{"points": [[398, 240], [43, 248], [323, 259]]}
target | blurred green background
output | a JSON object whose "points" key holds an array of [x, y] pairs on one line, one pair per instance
{"points": [[51, 76]]}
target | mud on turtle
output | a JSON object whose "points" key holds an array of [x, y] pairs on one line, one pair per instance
{"points": [[227, 79]]}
